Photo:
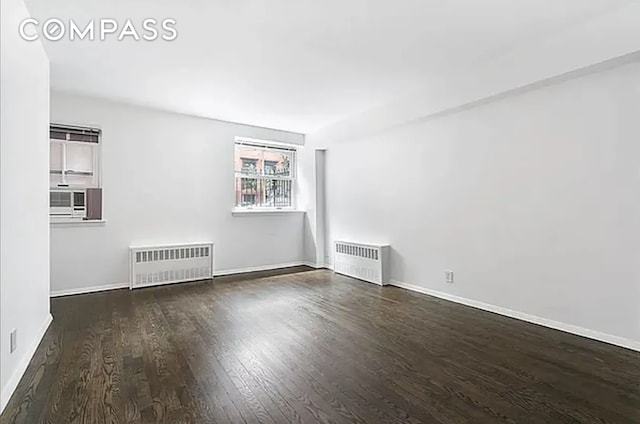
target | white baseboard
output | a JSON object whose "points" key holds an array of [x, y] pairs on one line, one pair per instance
{"points": [[220, 273], [316, 265], [11, 385], [91, 289], [567, 328]]}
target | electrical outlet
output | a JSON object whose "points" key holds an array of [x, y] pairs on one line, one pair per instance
{"points": [[13, 340], [448, 276]]}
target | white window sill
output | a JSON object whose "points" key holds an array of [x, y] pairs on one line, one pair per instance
{"points": [[250, 212], [76, 222]]}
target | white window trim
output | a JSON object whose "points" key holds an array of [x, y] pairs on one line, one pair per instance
{"points": [[67, 222], [98, 163], [249, 210], [266, 143], [254, 211]]}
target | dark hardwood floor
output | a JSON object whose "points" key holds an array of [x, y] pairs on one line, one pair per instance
{"points": [[312, 347]]}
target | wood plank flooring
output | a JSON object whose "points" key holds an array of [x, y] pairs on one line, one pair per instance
{"points": [[312, 347]]}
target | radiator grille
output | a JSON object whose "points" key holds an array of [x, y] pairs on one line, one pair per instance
{"points": [[360, 251], [366, 262], [153, 265], [165, 254]]}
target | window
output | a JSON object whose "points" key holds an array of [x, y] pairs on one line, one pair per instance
{"points": [[74, 177], [264, 175], [249, 165], [248, 199], [270, 167]]}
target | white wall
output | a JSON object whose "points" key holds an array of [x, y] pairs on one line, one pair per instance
{"points": [[312, 200], [166, 178], [532, 199], [24, 220], [602, 38]]}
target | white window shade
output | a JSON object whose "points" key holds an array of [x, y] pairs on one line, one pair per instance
{"points": [[80, 169]]}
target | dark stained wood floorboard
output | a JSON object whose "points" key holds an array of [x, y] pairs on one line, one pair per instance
{"points": [[304, 346]]}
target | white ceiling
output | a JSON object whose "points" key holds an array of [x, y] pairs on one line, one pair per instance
{"points": [[294, 64]]}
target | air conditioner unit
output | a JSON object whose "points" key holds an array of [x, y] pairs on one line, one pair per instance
{"points": [[67, 203]]}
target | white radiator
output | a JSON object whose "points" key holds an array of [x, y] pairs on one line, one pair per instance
{"points": [[368, 262], [166, 264]]}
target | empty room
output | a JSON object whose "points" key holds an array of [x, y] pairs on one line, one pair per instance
{"points": [[320, 212]]}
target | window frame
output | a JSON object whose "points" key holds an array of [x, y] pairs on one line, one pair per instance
{"points": [[266, 145], [70, 187]]}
